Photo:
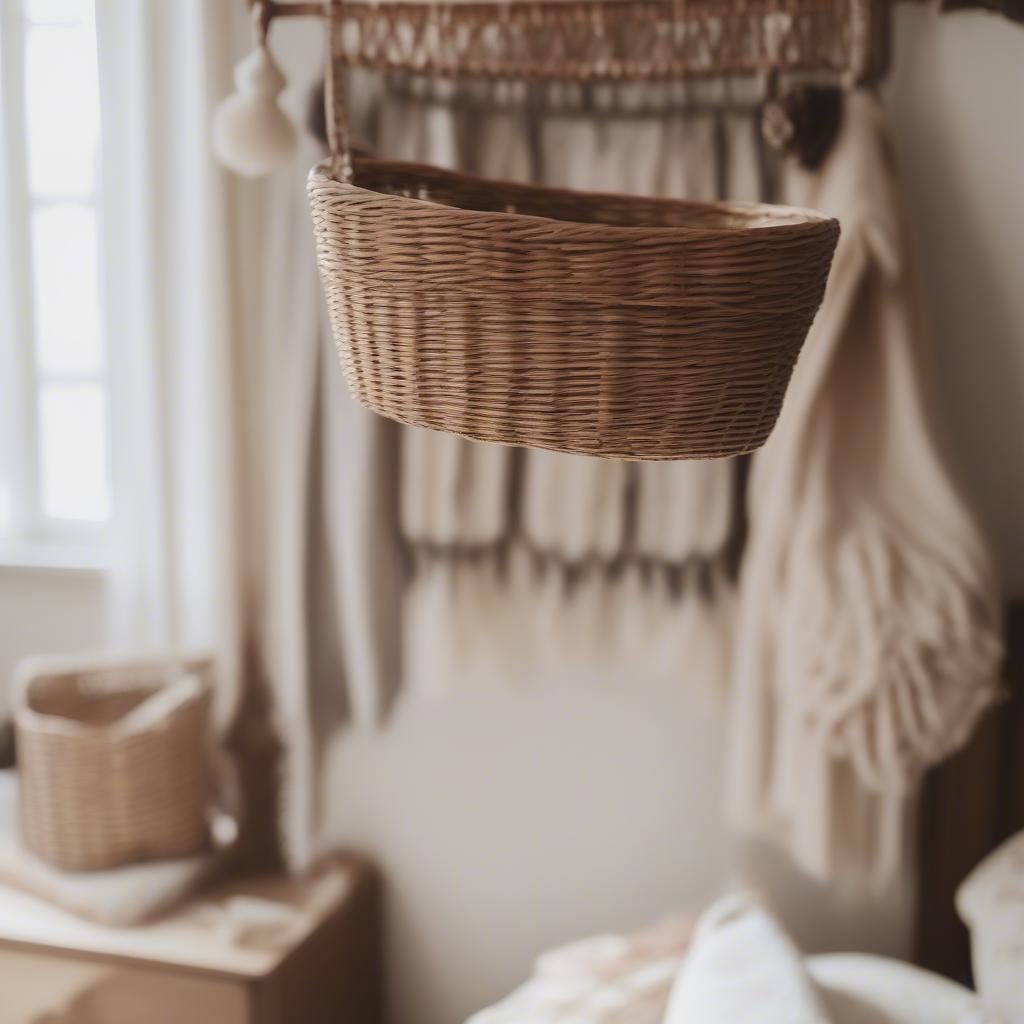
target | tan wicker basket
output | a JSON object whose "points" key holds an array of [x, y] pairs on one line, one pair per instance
{"points": [[113, 762], [598, 324]]}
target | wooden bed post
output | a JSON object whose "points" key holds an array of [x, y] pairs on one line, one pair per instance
{"points": [[969, 805]]}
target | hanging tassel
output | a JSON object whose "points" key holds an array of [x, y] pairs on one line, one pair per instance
{"points": [[251, 133]]}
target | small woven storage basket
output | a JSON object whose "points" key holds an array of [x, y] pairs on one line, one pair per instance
{"points": [[598, 324], [113, 763]]}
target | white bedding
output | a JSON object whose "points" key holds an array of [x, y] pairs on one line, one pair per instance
{"points": [[609, 979], [857, 989], [628, 980]]}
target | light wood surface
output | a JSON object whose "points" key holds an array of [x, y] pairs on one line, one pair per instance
{"points": [[206, 934], [264, 950]]}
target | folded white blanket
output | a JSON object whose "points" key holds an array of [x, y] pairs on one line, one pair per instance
{"points": [[990, 901], [121, 897], [608, 979], [737, 967], [743, 967]]}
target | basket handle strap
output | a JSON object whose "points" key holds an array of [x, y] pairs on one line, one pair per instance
{"points": [[160, 706], [338, 136]]}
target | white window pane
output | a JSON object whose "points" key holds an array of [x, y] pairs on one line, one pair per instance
{"points": [[65, 288], [59, 11], [73, 450], [62, 122]]}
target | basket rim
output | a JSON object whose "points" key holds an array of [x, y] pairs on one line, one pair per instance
{"points": [[40, 723], [807, 221], [33, 669]]}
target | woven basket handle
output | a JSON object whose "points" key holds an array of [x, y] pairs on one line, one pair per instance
{"points": [[338, 136], [160, 706]]}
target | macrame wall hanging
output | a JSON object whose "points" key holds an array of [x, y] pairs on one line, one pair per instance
{"points": [[596, 324]]}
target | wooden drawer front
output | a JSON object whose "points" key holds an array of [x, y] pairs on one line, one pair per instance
{"points": [[38, 988]]}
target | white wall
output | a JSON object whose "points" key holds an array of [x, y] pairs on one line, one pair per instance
{"points": [[956, 100], [47, 611], [510, 819]]}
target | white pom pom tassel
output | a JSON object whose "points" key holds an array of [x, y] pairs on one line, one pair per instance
{"points": [[251, 133]]}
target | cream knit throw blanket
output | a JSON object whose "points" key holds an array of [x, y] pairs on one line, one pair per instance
{"points": [[868, 632]]}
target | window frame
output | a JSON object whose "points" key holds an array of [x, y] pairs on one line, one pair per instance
{"points": [[29, 537]]}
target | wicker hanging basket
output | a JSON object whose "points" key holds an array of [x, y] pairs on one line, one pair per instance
{"points": [[596, 324]]}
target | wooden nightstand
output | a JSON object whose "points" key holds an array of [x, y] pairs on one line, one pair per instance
{"points": [[256, 951]]}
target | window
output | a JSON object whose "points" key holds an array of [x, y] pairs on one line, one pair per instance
{"points": [[54, 458]]}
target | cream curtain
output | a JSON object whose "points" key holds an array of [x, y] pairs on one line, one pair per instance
{"points": [[175, 332], [330, 547], [254, 512]]}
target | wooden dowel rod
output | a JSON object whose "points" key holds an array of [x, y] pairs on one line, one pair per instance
{"points": [[307, 9]]}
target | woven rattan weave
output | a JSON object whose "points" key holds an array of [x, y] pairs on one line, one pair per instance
{"points": [[597, 324], [94, 794], [589, 40]]}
